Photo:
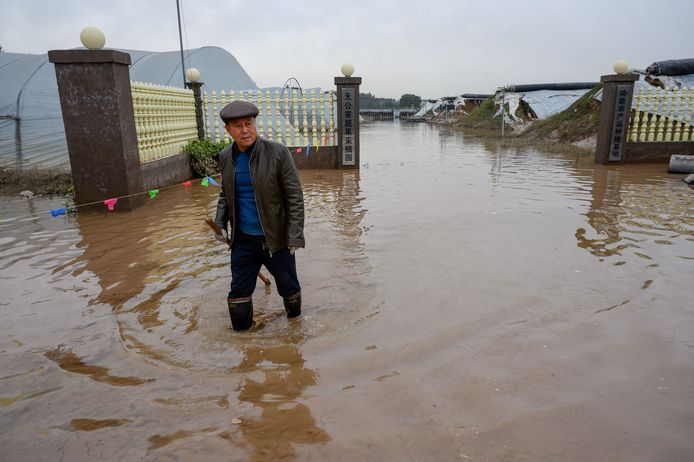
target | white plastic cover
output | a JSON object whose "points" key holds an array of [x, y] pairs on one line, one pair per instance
{"points": [[544, 103], [427, 106]]}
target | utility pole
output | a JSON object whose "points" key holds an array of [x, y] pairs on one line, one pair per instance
{"points": [[180, 38]]}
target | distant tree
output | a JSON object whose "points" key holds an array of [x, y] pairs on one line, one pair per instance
{"points": [[369, 101], [409, 100]]}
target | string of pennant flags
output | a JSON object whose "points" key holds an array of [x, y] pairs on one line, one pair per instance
{"points": [[110, 203]]}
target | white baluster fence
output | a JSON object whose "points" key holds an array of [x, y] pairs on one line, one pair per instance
{"points": [[662, 115], [164, 119], [291, 117]]}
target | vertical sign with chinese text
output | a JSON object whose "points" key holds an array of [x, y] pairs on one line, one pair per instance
{"points": [[348, 130], [620, 122]]}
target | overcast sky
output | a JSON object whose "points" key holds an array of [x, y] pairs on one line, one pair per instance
{"points": [[430, 48]]}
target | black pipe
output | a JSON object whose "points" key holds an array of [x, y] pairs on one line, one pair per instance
{"points": [[672, 67], [475, 96], [550, 86]]}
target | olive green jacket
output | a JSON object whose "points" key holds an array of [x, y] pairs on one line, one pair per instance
{"points": [[278, 194]]}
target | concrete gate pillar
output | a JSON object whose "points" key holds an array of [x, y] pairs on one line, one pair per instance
{"points": [[97, 106], [615, 110], [348, 120]]}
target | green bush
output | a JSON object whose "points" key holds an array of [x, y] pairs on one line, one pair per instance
{"points": [[204, 156]]}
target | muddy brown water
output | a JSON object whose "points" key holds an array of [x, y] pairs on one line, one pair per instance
{"points": [[463, 300]]}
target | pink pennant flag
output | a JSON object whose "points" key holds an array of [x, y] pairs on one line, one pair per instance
{"points": [[187, 185], [110, 203], [298, 149]]}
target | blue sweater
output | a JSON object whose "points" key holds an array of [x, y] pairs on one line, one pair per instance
{"points": [[248, 219]]}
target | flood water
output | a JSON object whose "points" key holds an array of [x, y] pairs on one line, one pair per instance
{"points": [[463, 300]]}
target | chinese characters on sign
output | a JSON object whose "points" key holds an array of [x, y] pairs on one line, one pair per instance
{"points": [[348, 153], [619, 124]]}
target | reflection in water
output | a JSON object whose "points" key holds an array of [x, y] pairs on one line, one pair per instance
{"points": [[603, 215], [144, 263], [349, 214], [70, 362], [283, 421], [119, 259], [88, 425], [628, 207], [336, 196]]}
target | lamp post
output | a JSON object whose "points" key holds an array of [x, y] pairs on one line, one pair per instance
{"points": [[193, 75]]}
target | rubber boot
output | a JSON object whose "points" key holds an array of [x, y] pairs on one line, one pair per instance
{"points": [[292, 305], [241, 313]]}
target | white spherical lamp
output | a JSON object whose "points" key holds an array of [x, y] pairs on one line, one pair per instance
{"points": [[192, 74], [347, 70], [621, 67], [92, 38]]}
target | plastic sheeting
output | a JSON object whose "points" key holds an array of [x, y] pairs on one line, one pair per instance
{"points": [[31, 126], [427, 107], [434, 107], [543, 103], [669, 82]]}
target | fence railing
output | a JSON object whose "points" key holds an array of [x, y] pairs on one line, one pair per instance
{"points": [[662, 115], [164, 119], [295, 118]]}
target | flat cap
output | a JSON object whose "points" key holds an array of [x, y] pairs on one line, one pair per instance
{"points": [[238, 109]]}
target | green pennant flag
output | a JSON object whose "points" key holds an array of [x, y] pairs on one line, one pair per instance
{"points": [[205, 182], [153, 193]]}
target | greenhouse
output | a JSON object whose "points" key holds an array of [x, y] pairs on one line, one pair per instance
{"points": [[31, 125]]}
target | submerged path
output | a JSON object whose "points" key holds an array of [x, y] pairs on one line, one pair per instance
{"points": [[463, 301]]}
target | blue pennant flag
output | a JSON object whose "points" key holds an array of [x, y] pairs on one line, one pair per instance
{"points": [[56, 212], [308, 148], [212, 182]]}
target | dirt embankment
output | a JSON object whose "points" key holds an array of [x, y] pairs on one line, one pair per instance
{"points": [[575, 127], [39, 182], [482, 117]]}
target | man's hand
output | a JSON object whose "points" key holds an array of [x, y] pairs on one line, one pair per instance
{"points": [[222, 237], [292, 250]]}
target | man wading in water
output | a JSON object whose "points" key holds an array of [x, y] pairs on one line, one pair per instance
{"points": [[262, 199]]}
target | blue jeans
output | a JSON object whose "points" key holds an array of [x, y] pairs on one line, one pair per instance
{"points": [[248, 254]]}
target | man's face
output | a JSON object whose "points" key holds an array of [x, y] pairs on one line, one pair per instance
{"points": [[242, 131]]}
